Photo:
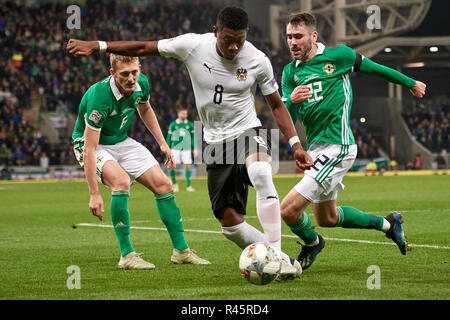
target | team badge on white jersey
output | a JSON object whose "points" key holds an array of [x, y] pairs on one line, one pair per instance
{"points": [[241, 74], [223, 88]]}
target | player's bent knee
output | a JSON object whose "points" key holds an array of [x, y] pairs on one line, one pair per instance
{"points": [[326, 222], [230, 217], [121, 184], [285, 211], [326, 214], [163, 186]]}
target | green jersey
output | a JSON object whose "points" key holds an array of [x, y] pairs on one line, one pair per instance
{"points": [[181, 135], [326, 115], [104, 109]]}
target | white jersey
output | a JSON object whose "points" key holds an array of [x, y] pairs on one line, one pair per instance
{"points": [[224, 89]]}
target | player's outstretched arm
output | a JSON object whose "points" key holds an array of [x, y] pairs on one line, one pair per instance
{"points": [[126, 48], [370, 67]]}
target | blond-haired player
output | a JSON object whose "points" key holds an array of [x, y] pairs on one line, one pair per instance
{"points": [[103, 148]]}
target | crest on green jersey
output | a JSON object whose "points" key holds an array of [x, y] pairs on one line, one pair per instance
{"points": [[241, 74], [329, 68]]}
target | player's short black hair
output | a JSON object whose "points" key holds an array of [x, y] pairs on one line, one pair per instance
{"points": [[232, 17], [303, 17]]}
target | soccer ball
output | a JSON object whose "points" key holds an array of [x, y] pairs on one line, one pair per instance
{"points": [[260, 263]]}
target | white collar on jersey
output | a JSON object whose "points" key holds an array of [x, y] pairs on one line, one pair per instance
{"points": [[115, 90], [320, 48], [179, 121]]}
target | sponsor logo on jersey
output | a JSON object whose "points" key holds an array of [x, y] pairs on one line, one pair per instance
{"points": [[241, 74], [208, 67], [329, 68], [311, 76], [125, 110], [95, 116]]}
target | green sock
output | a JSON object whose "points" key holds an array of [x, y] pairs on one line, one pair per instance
{"points": [[350, 217], [187, 173], [303, 229], [120, 217], [171, 216], [173, 174]]}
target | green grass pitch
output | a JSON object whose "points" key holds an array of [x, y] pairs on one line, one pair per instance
{"points": [[39, 243]]}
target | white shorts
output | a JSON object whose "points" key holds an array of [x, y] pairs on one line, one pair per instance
{"points": [[132, 156], [331, 162], [182, 156]]}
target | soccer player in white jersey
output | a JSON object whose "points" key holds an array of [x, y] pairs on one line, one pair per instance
{"points": [[225, 69]]}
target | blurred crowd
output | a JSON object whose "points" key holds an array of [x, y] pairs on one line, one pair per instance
{"points": [[428, 121], [367, 146], [32, 42], [32, 46]]}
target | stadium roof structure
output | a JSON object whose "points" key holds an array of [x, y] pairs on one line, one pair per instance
{"points": [[377, 28], [410, 51]]}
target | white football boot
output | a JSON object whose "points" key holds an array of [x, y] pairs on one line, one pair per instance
{"points": [[134, 261], [190, 189], [176, 188], [290, 269], [187, 256]]}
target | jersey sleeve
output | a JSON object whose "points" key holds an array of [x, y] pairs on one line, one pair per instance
{"points": [[97, 110], [346, 57], [179, 47], [288, 86], [372, 68], [265, 78], [145, 86]]}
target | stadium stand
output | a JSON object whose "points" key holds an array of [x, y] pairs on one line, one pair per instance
{"points": [[428, 121], [33, 54]]}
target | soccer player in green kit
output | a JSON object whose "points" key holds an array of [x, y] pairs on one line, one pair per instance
{"points": [[181, 139], [103, 148], [316, 87]]}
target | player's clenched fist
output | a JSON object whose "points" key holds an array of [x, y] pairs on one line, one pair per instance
{"points": [[300, 93], [419, 89], [81, 48]]}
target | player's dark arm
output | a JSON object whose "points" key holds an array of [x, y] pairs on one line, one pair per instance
{"points": [[281, 115], [288, 88], [125, 48], [369, 67], [287, 127]]}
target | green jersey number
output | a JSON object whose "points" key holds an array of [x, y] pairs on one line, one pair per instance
{"points": [[315, 88]]}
